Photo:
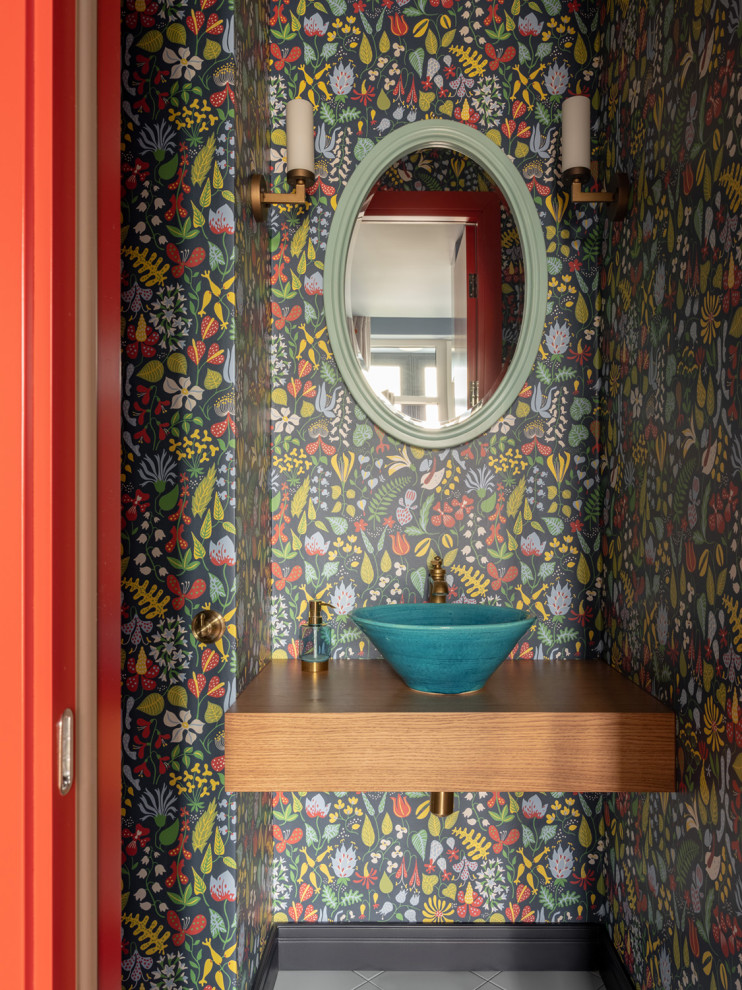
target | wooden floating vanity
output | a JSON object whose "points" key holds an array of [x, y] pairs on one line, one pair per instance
{"points": [[563, 725]]}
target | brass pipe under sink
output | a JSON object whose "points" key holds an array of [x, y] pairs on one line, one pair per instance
{"points": [[441, 802]]}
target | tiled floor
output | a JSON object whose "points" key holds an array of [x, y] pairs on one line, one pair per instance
{"points": [[378, 980]]}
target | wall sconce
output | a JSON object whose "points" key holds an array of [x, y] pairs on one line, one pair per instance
{"points": [[576, 163], [299, 163]]}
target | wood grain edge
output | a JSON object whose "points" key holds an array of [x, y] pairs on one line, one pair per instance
{"points": [[471, 751]]}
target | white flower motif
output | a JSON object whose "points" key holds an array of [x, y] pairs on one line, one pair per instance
{"points": [[284, 421], [183, 64], [183, 392], [184, 725]]}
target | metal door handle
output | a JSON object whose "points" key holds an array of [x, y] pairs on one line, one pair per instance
{"points": [[65, 751]]}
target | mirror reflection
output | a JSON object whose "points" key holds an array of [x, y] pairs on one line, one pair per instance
{"points": [[435, 287]]}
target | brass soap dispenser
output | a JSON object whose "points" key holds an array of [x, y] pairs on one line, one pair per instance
{"points": [[315, 640]]}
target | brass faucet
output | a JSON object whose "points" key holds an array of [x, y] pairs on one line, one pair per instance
{"points": [[438, 587]]}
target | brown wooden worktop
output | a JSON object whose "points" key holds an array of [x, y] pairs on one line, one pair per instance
{"points": [[537, 725]]}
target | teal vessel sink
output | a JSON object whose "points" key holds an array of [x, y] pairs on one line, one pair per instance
{"points": [[443, 649]]}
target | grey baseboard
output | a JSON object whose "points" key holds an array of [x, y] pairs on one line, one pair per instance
{"points": [[267, 971], [440, 948]]}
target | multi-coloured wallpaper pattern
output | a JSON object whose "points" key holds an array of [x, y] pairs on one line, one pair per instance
{"points": [[184, 408], [385, 857], [254, 851], [356, 515], [672, 471]]}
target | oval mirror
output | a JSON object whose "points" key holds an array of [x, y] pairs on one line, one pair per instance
{"points": [[436, 283]]}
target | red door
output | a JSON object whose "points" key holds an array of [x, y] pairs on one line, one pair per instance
{"points": [[38, 499], [38, 493]]}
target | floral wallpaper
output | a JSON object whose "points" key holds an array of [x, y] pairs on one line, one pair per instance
{"points": [[193, 410], [385, 857], [672, 472], [356, 515]]}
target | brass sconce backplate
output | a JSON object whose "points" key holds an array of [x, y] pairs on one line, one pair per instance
{"points": [[208, 626]]}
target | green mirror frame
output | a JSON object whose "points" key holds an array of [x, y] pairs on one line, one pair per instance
{"points": [[403, 141]]}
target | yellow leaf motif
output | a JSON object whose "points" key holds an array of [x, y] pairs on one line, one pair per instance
{"points": [[476, 844], [581, 311], [429, 881], [516, 497], [204, 826], [474, 581], [176, 33], [151, 42], [300, 497], [151, 601], [386, 824], [585, 835], [178, 696], [151, 935], [474, 63], [152, 269], [202, 162], [368, 836], [367, 570], [213, 713], [202, 495], [152, 371], [152, 704], [365, 51], [212, 49]]}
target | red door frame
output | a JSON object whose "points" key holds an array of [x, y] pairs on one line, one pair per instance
{"points": [[482, 210], [38, 495], [109, 496]]}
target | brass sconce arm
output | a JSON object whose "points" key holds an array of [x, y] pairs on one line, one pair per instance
{"points": [[617, 194], [259, 199]]}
